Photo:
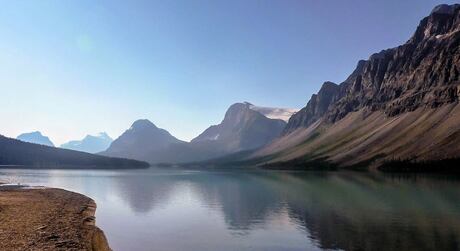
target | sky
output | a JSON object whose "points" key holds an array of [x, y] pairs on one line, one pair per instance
{"points": [[69, 68]]}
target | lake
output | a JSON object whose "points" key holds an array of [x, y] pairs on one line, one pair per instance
{"points": [[161, 209]]}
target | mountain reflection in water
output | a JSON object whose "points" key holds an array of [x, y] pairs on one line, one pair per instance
{"points": [[257, 210]]}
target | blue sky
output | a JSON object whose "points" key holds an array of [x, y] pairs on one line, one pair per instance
{"points": [[71, 68]]}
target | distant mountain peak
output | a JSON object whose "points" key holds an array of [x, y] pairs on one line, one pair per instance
{"points": [[90, 143], [245, 126], [35, 137], [103, 135], [141, 141], [143, 123], [440, 23], [37, 133]]}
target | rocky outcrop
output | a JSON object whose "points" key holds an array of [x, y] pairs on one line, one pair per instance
{"points": [[96, 238], [316, 107], [400, 104], [424, 72]]}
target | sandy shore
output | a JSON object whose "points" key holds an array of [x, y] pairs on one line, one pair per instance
{"points": [[48, 219]]}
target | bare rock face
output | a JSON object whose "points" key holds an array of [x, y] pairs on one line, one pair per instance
{"points": [[316, 107], [424, 72], [402, 104]]}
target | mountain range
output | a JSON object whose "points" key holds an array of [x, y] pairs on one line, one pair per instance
{"points": [[244, 127], [90, 144], [36, 138], [399, 105], [15, 152]]}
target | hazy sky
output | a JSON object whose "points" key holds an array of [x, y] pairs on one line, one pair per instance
{"points": [[71, 68]]}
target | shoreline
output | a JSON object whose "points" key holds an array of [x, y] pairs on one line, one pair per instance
{"points": [[42, 218]]}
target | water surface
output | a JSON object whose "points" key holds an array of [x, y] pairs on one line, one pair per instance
{"points": [[160, 209]]}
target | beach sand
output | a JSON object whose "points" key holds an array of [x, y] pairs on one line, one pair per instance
{"points": [[37, 218]]}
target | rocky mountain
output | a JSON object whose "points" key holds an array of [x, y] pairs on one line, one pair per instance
{"points": [[142, 141], [316, 107], [244, 127], [15, 152], [36, 138], [90, 144], [400, 104]]}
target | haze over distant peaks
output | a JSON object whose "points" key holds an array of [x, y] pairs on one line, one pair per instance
{"points": [[90, 144], [36, 138]]}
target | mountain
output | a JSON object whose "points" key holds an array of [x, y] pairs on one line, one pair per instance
{"points": [[316, 107], [90, 144], [399, 105], [16, 152], [142, 141], [244, 127], [36, 138]]}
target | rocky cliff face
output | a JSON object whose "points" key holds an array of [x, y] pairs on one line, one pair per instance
{"points": [[316, 107], [400, 104], [424, 72]]}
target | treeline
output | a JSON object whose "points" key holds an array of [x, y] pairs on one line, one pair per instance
{"points": [[432, 166], [16, 152]]}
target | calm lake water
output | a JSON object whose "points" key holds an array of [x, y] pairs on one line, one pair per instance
{"points": [[158, 209]]}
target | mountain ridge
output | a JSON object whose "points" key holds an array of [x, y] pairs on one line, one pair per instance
{"points": [[242, 128], [90, 143], [412, 86], [15, 152], [140, 140], [35, 137]]}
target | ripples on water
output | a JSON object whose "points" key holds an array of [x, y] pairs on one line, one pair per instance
{"points": [[158, 209]]}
